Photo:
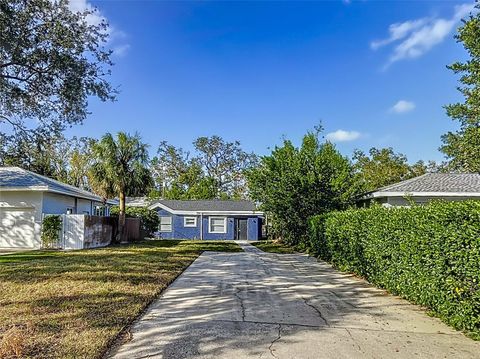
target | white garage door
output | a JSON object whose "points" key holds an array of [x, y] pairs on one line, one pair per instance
{"points": [[17, 228]]}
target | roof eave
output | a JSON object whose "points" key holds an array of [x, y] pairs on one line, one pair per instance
{"points": [[198, 212], [24, 188], [382, 194]]}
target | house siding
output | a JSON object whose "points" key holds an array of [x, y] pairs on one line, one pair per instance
{"points": [[230, 235], [253, 228], [407, 201], [84, 206], [22, 212], [17, 201], [54, 203], [179, 231]]}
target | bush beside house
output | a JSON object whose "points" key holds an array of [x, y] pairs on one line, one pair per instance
{"points": [[428, 254], [51, 227], [149, 220]]}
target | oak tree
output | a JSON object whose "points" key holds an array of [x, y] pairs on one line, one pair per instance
{"points": [[51, 60]]}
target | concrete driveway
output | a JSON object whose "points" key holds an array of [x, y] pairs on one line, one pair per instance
{"points": [[259, 305]]}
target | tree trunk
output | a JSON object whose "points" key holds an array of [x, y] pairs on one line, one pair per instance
{"points": [[121, 219]]}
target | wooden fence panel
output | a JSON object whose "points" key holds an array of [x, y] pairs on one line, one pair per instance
{"points": [[81, 231], [132, 230], [99, 231]]}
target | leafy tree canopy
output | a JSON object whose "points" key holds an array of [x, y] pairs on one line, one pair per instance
{"points": [[51, 61], [215, 170], [293, 184], [54, 156], [462, 148], [382, 167]]}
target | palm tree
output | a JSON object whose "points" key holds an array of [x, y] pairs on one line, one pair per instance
{"points": [[119, 169]]}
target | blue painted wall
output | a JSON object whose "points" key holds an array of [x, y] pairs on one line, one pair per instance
{"points": [[230, 235], [179, 231], [252, 228]]}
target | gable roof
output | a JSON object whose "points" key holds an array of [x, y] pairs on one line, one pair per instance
{"points": [[206, 206], [433, 184], [18, 179]]}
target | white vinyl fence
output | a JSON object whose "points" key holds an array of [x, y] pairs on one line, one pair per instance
{"points": [[81, 231], [73, 231]]}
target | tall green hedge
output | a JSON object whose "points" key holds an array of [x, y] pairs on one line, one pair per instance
{"points": [[429, 254]]}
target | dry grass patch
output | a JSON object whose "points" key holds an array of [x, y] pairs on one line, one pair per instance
{"points": [[74, 304]]}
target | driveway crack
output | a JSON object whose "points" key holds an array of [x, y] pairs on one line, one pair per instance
{"points": [[240, 300], [317, 310], [354, 341], [279, 336]]}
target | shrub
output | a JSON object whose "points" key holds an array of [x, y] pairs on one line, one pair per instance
{"points": [[149, 220], [294, 183], [428, 254], [51, 227]]}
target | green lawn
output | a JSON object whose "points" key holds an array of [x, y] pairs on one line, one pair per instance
{"points": [[274, 247], [74, 304]]}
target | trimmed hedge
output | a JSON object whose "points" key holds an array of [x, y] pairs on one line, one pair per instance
{"points": [[428, 254]]}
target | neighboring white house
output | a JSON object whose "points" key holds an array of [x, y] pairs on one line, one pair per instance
{"points": [[427, 187], [26, 196]]}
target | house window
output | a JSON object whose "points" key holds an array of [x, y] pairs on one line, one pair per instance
{"points": [[165, 224], [99, 211], [217, 224], [189, 221], [69, 210]]}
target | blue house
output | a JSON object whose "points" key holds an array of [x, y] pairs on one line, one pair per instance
{"points": [[208, 219]]}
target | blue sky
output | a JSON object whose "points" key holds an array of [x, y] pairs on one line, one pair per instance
{"points": [[373, 72]]}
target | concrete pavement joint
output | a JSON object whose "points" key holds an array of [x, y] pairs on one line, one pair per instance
{"points": [[313, 326], [354, 340], [148, 355]]}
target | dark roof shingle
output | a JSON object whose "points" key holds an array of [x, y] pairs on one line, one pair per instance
{"points": [[208, 205], [437, 182]]}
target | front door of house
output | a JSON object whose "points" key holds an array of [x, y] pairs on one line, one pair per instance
{"points": [[241, 229]]}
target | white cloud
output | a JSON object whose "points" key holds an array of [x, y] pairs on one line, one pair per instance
{"points": [[403, 106], [342, 136], [398, 31], [121, 50], [96, 18], [416, 37]]}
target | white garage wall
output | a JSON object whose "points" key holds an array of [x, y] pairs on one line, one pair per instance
{"points": [[24, 200], [54, 203], [84, 206]]}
